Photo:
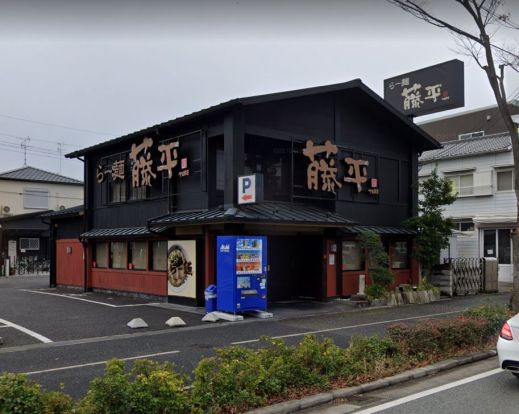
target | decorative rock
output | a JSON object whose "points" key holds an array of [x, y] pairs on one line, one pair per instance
{"points": [[391, 300], [409, 297], [399, 299], [210, 317], [422, 296], [175, 321], [137, 323]]}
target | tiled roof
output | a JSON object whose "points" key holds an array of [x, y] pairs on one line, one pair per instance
{"points": [[263, 212], [378, 230], [118, 232], [469, 147], [35, 174], [71, 211]]}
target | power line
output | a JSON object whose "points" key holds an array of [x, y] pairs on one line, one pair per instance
{"points": [[35, 154], [56, 125], [37, 139]]}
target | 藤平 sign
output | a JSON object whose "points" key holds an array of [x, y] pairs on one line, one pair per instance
{"points": [[433, 89], [321, 173], [143, 170]]}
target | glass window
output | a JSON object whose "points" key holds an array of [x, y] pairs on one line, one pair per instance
{"points": [[399, 255], [118, 255], [35, 198], [159, 252], [462, 185], [489, 243], [505, 246], [101, 254], [117, 191], [505, 180], [29, 244], [138, 193], [137, 255], [352, 256]]}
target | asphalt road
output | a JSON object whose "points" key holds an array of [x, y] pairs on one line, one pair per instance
{"points": [[86, 330], [479, 388]]}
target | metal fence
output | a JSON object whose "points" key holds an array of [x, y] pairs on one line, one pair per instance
{"points": [[468, 275]]}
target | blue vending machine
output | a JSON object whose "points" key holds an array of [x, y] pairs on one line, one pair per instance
{"points": [[241, 273]]}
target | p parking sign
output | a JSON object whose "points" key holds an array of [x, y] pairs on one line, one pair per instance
{"points": [[247, 189]]}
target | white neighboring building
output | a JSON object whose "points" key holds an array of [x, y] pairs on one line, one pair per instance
{"points": [[485, 212]]}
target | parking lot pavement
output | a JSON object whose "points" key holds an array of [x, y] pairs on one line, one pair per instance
{"points": [[32, 313]]}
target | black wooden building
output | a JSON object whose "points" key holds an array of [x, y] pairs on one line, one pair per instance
{"points": [[330, 161]]}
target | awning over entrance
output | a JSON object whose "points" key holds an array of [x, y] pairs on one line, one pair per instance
{"points": [[275, 213], [119, 232], [379, 230]]}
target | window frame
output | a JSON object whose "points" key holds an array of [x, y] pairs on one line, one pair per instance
{"points": [[26, 192], [457, 177], [362, 262], [125, 255], [151, 256], [500, 171], [392, 248], [107, 252], [29, 239], [130, 258]]}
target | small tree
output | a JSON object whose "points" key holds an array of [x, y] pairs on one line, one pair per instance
{"points": [[377, 261], [433, 230]]}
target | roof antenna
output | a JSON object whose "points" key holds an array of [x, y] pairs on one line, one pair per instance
{"points": [[60, 150], [24, 145]]}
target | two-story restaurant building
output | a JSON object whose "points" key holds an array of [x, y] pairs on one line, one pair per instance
{"points": [[329, 162]]}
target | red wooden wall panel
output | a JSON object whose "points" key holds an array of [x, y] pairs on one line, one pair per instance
{"points": [[152, 283], [69, 265]]}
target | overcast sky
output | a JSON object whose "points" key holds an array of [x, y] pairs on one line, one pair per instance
{"points": [[106, 68]]}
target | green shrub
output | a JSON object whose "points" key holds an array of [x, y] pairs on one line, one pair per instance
{"points": [[149, 387], [494, 315], [57, 403], [435, 337], [235, 378], [374, 291], [19, 395], [367, 356]]}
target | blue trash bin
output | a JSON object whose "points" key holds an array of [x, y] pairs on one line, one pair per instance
{"points": [[210, 298]]}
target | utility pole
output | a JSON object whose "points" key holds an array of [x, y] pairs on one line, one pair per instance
{"points": [[24, 145]]}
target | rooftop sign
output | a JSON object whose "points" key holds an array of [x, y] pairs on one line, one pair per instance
{"points": [[425, 91]]}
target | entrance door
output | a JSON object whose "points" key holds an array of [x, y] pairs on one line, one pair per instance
{"points": [[498, 243]]}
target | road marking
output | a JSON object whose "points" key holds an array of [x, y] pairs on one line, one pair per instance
{"points": [[89, 300], [90, 364], [26, 331], [4, 326], [249, 341], [426, 393]]}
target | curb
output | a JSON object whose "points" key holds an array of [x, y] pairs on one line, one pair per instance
{"points": [[326, 397]]}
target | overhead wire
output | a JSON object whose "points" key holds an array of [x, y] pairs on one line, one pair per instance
{"points": [[56, 125]]}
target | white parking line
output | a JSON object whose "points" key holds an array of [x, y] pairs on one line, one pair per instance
{"points": [[426, 393], [90, 364], [26, 331], [88, 300], [250, 341], [4, 326]]}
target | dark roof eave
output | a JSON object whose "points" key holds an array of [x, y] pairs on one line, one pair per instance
{"points": [[427, 143], [202, 112]]}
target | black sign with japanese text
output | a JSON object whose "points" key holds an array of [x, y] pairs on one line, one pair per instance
{"points": [[425, 91]]}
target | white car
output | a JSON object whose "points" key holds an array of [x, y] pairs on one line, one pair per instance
{"points": [[508, 346]]}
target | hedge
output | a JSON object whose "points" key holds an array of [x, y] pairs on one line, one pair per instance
{"points": [[236, 378]]}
